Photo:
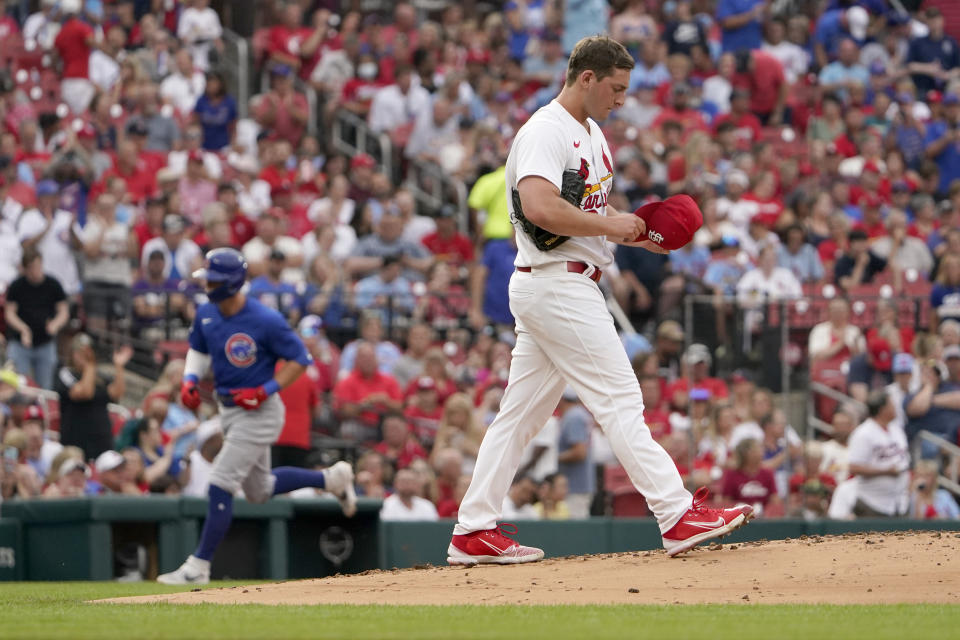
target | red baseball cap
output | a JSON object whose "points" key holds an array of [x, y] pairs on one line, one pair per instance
{"points": [[87, 132], [880, 353], [870, 166], [195, 156], [672, 222], [33, 412], [363, 160]]}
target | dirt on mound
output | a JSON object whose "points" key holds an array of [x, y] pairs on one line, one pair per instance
{"points": [[878, 568]]}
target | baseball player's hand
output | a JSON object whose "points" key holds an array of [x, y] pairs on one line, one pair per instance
{"points": [[249, 398], [625, 226], [189, 395]]}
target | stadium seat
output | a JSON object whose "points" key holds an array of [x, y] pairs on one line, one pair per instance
{"points": [[626, 500]]}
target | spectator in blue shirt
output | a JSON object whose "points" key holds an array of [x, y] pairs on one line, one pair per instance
{"points": [[800, 256], [942, 143], [272, 292], [741, 22], [573, 454], [933, 60], [385, 290], [936, 406], [217, 113], [846, 71], [650, 70], [489, 283], [724, 271], [834, 26]]}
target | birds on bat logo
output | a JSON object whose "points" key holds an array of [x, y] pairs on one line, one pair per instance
{"points": [[656, 236], [241, 350]]}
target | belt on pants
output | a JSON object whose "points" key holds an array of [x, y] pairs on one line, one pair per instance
{"points": [[574, 267]]}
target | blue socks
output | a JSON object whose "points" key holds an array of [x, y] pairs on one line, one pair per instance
{"points": [[220, 509], [291, 478], [219, 516]]}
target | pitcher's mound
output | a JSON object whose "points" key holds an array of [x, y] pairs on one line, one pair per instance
{"points": [[877, 568]]}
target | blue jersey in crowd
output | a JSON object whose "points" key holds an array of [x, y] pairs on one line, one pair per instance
{"points": [[245, 347]]}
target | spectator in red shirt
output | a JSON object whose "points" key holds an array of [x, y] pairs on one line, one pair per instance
{"points": [[242, 229], [424, 411], [447, 244], [364, 395], [448, 465], [151, 225], [399, 446], [746, 125], [73, 44], [763, 75], [283, 111], [872, 223], [697, 361], [750, 482], [140, 176], [680, 111], [290, 42], [301, 400], [655, 414]]}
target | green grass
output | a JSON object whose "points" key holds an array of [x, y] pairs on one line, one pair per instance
{"points": [[59, 610]]}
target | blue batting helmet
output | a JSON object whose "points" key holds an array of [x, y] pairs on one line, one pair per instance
{"points": [[227, 267]]}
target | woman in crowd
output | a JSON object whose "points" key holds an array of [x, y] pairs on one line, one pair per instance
{"points": [[459, 429]]}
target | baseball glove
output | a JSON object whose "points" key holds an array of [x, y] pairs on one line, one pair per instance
{"points": [[572, 186]]}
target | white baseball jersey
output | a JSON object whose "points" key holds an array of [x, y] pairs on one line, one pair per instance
{"points": [[551, 141], [873, 446]]}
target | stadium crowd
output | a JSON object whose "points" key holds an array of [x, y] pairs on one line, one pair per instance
{"points": [[821, 140]]}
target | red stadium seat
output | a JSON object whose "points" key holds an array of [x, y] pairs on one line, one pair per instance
{"points": [[627, 501]]}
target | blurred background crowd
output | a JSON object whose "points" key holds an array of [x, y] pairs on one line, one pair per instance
{"points": [[802, 354]]}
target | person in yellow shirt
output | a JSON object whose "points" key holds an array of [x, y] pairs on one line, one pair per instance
{"points": [[489, 194], [553, 493]]}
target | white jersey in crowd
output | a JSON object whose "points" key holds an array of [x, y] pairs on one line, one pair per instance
{"points": [[421, 509], [873, 446], [200, 470], [562, 143]]}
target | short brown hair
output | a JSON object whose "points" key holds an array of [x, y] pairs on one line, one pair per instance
{"points": [[599, 54]]}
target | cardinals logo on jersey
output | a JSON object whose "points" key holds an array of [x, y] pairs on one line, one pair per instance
{"points": [[584, 170], [241, 350]]}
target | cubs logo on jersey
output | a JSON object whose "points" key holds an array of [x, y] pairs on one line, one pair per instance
{"points": [[241, 350]]}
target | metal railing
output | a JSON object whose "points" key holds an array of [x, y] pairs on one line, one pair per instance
{"points": [[236, 69], [352, 136], [427, 182], [948, 481]]}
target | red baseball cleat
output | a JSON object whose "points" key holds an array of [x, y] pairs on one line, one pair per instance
{"points": [[700, 523], [490, 547]]}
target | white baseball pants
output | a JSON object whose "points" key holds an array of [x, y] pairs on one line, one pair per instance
{"points": [[565, 335]]}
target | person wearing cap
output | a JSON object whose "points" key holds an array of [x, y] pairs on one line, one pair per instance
{"points": [[424, 410], [934, 59], [835, 25], [906, 380], [181, 255], [870, 369], [156, 298], [36, 310], [283, 110], [858, 264], [696, 366], [49, 229], [880, 459], [84, 395], [71, 480], [936, 406], [111, 469], [273, 292]]}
